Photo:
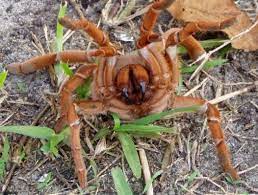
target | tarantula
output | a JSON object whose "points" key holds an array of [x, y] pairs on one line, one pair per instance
{"points": [[132, 85]]}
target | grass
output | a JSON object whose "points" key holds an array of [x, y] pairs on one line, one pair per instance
{"points": [[43, 133], [45, 181], [121, 185], [208, 65], [4, 157], [3, 76], [206, 44], [61, 68]]}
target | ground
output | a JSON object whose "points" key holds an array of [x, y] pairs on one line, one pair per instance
{"points": [[30, 96]]}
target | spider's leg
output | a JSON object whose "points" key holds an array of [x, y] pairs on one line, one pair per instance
{"points": [[215, 128], [149, 20], [90, 106], [40, 62], [185, 38], [70, 117], [92, 30]]}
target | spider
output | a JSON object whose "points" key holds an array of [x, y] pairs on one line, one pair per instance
{"points": [[132, 85]]}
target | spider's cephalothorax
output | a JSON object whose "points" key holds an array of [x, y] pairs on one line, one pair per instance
{"points": [[131, 85]]}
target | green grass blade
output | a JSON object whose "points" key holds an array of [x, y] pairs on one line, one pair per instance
{"points": [[127, 10], [51, 146], [101, 133], [117, 121], [121, 186], [148, 183], [84, 90], [209, 64], [31, 131], [3, 76], [66, 69], [223, 52], [4, 157], [130, 153], [146, 135], [45, 181], [206, 44], [59, 70], [154, 117], [212, 43], [133, 128], [60, 29]]}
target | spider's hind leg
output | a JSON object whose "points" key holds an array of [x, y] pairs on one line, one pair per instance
{"points": [[217, 133], [185, 38]]}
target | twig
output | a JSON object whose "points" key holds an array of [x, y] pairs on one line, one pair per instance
{"points": [[206, 56], [77, 8], [195, 88], [8, 179], [37, 166], [187, 141], [194, 154], [242, 137], [249, 169], [22, 103], [233, 94], [167, 157], [255, 105], [211, 181], [146, 169], [103, 170], [62, 179], [5, 120]]}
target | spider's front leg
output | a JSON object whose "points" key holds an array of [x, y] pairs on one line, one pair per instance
{"points": [[40, 62], [149, 20], [70, 117], [215, 128]]}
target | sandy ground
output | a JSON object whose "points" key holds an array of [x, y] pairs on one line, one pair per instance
{"points": [[28, 95]]}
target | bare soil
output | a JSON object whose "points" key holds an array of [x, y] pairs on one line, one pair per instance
{"points": [[29, 94]]}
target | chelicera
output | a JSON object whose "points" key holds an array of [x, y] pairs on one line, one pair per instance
{"points": [[132, 85]]}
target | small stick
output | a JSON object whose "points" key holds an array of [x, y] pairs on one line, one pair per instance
{"points": [[249, 169], [211, 181], [233, 94], [77, 8], [195, 88], [103, 170], [8, 179], [194, 154], [5, 120], [167, 157], [146, 169], [37, 166]]}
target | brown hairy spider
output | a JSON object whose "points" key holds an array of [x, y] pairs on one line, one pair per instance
{"points": [[132, 85]]}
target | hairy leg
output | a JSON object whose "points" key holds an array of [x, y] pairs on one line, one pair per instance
{"points": [[90, 28], [215, 128], [149, 20], [40, 62], [70, 117], [185, 38]]}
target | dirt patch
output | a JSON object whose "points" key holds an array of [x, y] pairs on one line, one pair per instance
{"points": [[27, 95]]}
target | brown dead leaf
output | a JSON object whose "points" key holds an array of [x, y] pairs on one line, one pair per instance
{"points": [[218, 10]]}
